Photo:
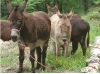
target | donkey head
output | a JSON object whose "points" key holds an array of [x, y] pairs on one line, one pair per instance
{"points": [[53, 10], [65, 26], [16, 18]]}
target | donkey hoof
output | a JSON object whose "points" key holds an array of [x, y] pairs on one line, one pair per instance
{"points": [[33, 70], [20, 72]]}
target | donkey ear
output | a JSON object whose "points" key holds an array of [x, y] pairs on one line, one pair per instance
{"points": [[71, 13], [48, 7], [9, 6], [60, 15], [22, 7], [56, 5]]}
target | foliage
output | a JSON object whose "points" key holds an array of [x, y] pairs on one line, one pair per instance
{"points": [[72, 64], [93, 18], [40, 5], [3, 9], [94, 2]]}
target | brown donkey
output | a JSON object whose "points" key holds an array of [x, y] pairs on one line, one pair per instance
{"points": [[33, 30], [80, 28], [60, 31], [5, 30]]}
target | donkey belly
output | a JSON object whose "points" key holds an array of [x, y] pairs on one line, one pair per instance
{"points": [[40, 42]]}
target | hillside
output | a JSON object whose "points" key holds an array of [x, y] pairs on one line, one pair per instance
{"points": [[93, 18], [73, 64]]}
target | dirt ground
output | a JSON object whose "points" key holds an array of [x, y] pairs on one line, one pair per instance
{"points": [[9, 44]]}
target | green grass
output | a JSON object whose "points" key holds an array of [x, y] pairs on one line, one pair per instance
{"points": [[72, 64], [93, 18]]}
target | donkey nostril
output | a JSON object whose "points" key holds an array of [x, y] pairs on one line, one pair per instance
{"points": [[64, 40], [14, 37]]}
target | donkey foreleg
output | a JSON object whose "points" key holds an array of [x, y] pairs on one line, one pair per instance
{"points": [[66, 49], [21, 59], [54, 48], [57, 50]]}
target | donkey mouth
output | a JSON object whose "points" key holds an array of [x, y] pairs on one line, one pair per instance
{"points": [[14, 38], [64, 38], [14, 35]]}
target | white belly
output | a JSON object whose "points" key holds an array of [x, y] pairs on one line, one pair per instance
{"points": [[39, 43]]}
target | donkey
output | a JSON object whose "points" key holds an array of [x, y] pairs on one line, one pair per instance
{"points": [[80, 28], [33, 30], [55, 10], [60, 31], [5, 30]]}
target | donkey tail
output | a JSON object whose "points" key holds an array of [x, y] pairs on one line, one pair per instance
{"points": [[88, 39]]}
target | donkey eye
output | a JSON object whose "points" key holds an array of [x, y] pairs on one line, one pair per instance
{"points": [[68, 27], [19, 21], [10, 21]]}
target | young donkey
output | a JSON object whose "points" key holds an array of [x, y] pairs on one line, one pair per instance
{"points": [[80, 29], [60, 30], [33, 30]]}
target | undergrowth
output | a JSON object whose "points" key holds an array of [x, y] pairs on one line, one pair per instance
{"points": [[72, 64]]}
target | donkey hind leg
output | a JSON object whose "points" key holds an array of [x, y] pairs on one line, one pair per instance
{"points": [[54, 48], [38, 51], [57, 50], [45, 46], [32, 53], [21, 59], [83, 46], [74, 47]]}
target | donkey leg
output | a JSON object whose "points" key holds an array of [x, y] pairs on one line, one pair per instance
{"points": [[45, 46], [21, 59], [38, 51], [74, 47], [43, 56], [54, 48], [62, 50], [66, 50], [83, 46], [32, 52], [57, 50]]}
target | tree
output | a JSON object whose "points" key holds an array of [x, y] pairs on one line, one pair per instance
{"points": [[85, 6]]}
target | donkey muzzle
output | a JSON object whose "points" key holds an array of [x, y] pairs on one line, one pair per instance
{"points": [[14, 35], [64, 38]]}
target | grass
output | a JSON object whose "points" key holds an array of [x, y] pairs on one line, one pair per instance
{"points": [[93, 18], [72, 64]]}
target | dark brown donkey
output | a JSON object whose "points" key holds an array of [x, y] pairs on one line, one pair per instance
{"points": [[33, 30], [80, 28]]}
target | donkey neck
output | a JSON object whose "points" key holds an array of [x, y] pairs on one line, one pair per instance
{"points": [[54, 18]]}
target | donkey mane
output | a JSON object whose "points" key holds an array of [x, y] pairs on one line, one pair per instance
{"points": [[62, 16]]}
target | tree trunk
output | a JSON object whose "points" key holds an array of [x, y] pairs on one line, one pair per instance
{"points": [[61, 6], [85, 6]]}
